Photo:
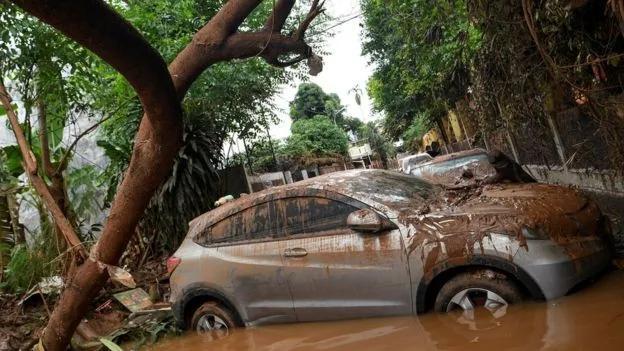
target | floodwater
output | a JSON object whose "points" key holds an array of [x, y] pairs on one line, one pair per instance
{"points": [[590, 319]]}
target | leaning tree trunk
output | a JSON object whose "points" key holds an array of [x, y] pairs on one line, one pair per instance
{"points": [[96, 26]]}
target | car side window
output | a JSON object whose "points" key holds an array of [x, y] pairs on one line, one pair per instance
{"points": [[310, 215], [256, 222]]}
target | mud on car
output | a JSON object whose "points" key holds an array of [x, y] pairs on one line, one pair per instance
{"points": [[470, 167], [368, 243]]}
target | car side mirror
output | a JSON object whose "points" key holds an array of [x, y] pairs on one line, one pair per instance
{"points": [[368, 221]]}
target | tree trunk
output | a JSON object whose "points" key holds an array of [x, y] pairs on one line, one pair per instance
{"points": [[96, 26], [57, 181]]}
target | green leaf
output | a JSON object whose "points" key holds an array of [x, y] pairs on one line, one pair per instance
{"points": [[110, 345], [3, 110]]}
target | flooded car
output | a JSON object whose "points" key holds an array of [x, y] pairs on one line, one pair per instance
{"points": [[368, 243], [409, 162], [476, 166]]}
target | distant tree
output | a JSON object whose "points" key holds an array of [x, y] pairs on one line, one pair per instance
{"points": [[352, 126], [334, 109], [309, 102], [316, 137], [262, 154], [379, 144]]}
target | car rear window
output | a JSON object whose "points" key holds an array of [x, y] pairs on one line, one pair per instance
{"points": [[257, 222], [309, 215]]}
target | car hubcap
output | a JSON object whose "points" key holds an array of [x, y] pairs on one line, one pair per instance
{"points": [[469, 299], [212, 326]]}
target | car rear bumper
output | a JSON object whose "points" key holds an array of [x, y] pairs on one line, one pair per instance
{"points": [[557, 268]]}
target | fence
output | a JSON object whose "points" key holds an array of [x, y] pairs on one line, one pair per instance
{"points": [[568, 148]]}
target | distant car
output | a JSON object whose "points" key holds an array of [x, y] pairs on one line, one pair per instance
{"points": [[409, 162], [366, 243], [474, 166]]}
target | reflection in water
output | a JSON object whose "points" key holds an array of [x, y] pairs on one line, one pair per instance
{"points": [[592, 318]]}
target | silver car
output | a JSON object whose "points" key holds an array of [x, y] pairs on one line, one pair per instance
{"points": [[367, 243]]}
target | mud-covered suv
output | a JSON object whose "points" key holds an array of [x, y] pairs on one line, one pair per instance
{"points": [[369, 243]]}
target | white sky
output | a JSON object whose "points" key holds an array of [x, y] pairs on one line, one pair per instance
{"points": [[343, 68]]}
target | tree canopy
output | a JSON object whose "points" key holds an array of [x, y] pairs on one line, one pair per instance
{"points": [[422, 52], [316, 137]]}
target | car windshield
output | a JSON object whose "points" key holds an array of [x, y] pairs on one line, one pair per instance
{"points": [[391, 189]]}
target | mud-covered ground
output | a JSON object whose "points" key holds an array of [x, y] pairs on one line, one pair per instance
{"points": [[591, 318]]}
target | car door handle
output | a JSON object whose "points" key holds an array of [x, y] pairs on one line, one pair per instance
{"points": [[295, 252]]}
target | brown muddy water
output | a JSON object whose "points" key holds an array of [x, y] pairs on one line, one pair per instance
{"points": [[590, 319]]}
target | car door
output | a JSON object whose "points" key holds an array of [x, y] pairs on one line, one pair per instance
{"points": [[249, 264], [334, 272]]}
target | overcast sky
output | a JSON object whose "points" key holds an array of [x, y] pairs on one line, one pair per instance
{"points": [[343, 67]]}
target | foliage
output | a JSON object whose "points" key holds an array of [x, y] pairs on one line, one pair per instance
{"points": [[191, 189], [230, 98], [380, 146], [227, 99], [311, 101], [26, 267], [516, 86], [48, 74], [316, 137], [85, 194], [263, 154], [422, 52], [414, 133]]}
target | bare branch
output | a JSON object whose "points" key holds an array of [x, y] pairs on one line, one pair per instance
{"points": [[30, 162], [246, 45], [30, 166], [277, 19], [315, 10], [71, 147]]}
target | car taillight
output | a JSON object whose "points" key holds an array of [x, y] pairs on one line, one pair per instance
{"points": [[172, 263]]}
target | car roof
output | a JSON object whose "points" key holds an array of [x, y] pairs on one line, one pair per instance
{"points": [[380, 189], [456, 155]]}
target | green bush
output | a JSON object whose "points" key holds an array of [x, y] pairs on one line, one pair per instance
{"points": [[25, 268]]}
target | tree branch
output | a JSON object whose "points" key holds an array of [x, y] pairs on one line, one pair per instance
{"points": [[30, 162], [279, 15], [225, 22], [72, 146], [209, 45], [315, 9], [30, 166]]}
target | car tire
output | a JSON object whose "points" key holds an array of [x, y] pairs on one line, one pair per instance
{"points": [[213, 320], [483, 281]]}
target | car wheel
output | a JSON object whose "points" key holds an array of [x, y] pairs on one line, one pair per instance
{"points": [[480, 288], [213, 320]]}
